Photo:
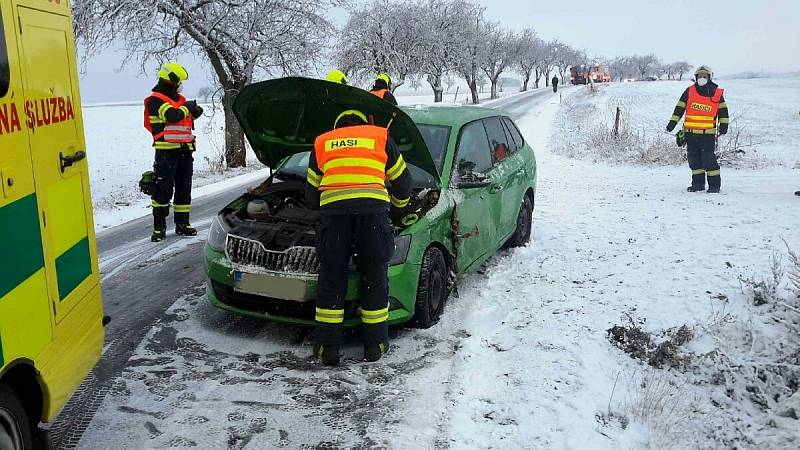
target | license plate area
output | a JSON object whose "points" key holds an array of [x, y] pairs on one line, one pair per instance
{"points": [[275, 286]]}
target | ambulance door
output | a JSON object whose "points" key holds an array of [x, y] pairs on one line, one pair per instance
{"points": [[55, 129]]}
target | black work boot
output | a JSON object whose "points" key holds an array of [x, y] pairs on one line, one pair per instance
{"points": [[327, 354], [158, 234], [374, 352], [714, 183], [797, 193], [695, 188], [184, 229]]}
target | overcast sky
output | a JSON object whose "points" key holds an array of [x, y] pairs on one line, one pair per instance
{"points": [[731, 36]]}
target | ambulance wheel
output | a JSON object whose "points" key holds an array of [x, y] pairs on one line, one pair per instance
{"points": [[432, 289], [15, 429]]}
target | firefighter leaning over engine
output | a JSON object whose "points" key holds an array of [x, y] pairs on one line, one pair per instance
{"points": [[382, 88], [704, 105], [170, 119], [347, 177]]}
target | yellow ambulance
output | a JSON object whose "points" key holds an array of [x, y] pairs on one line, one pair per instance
{"points": [[51, 332]]}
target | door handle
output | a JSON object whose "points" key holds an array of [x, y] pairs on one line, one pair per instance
{"points": [[496, 188], [68, 161]]}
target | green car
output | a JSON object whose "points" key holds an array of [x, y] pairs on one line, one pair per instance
{"points": [[474, 180]]}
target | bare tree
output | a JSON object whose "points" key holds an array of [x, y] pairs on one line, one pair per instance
{"points": [[388, 41], [449, 81], [645, 64], [548, 61], [471, 51], [500, 51], [659, 70], [681, 67], [238, 38], [527, 58], [440, 23]]}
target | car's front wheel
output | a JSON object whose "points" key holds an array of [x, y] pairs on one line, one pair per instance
{"points": [[522, 234], [432, 289], [15, 431]]}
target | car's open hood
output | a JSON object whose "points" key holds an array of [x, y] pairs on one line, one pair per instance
{"points": [[284, 116]]}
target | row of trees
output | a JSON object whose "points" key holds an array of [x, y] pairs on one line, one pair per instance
{"points": [[643, 66], [415, 41], [432, 39]]}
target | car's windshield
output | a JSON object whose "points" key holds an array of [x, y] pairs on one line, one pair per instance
{"points": [[436, 138]]}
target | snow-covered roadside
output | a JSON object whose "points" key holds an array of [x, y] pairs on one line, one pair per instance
{"points": [[613, 245]]}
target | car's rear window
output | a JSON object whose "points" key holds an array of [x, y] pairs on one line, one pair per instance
{"points": [[5, 77]]}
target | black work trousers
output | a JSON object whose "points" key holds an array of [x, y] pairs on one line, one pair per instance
{"points": [[371, 236], [173, 173], [702, 160]]}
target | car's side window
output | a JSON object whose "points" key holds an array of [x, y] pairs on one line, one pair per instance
{"points": [[516, 136], [473, 157], [5, 76], [498, 142]]}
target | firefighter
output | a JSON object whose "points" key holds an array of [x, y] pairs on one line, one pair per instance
{"points": [[382, 88], [347, 177], [704, 105], [336, 76], [554, 82], [170, 119]]}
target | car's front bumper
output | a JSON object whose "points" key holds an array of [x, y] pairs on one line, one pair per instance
{"points": [[403, 279]]}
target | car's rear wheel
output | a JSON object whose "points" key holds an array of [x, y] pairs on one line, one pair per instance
{"points": [[432, 290], [522, 234], [15, 430]]}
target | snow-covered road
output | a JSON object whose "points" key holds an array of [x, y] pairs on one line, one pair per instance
{"points": [[520, 358]]}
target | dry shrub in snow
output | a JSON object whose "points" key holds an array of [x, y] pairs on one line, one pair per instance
{"points": [[730, 381], [661, 403], [591, 129]]}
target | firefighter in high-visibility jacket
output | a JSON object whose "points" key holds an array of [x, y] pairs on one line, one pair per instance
{"points": [[705, 108], [355, 173], [382, 88], [170, 119]]}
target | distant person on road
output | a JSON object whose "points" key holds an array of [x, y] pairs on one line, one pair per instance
{"points": [[554, 82], [704, 105], [169, 117], [347, 177], [382, 88]]}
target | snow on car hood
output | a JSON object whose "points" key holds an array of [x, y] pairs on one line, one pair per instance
{"points": [[282, 117]]}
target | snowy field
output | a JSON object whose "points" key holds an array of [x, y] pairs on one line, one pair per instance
{"points": [[765, 110], [119, 151], [523, 357]]}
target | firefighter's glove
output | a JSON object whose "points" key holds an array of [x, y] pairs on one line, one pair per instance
{"points": [[410, 218], [148, 184], [671, 126], [680, 139], [723, 129], [407, 215], [194, 108]]}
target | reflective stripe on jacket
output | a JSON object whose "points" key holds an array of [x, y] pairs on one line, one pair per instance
{"points": [[353, 163], [168, 135], [701, 112]]}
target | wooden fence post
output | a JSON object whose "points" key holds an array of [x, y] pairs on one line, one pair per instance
{"points": [[616, 123]]}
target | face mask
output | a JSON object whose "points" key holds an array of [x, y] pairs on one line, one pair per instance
{"points": [[702, 81]]}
